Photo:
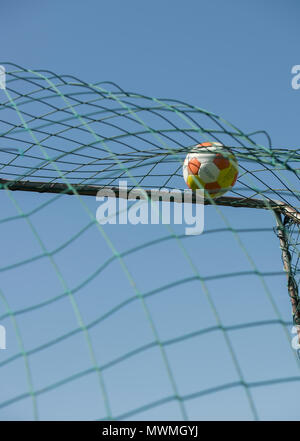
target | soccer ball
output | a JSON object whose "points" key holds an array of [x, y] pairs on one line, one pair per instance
{"points": [[211, 167]]}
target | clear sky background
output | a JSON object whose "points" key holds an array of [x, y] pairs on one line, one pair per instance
{"points": [[233, 58]]}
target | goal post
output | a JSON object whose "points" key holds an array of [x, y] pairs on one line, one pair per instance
{"points": [[278, 207]]}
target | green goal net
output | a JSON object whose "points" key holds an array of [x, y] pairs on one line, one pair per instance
{"points": [[106, 321]]}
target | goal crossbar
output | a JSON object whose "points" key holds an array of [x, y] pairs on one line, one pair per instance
{"points": [[146, 194]]}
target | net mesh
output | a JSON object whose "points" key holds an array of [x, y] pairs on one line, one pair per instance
{"points": [[61, 135]]}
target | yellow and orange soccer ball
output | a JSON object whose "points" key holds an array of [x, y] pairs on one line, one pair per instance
{"points": [[211, 167]]}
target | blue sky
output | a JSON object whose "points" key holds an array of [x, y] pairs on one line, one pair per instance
{"points": [[233, 58]]}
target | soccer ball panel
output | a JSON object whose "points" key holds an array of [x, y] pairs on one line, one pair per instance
{"points": [[226, 177], [194, 165], [221, 162], [208, 172], [194, 182]]}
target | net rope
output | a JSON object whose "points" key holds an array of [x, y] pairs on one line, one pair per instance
{"points": [[61, 135]]}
